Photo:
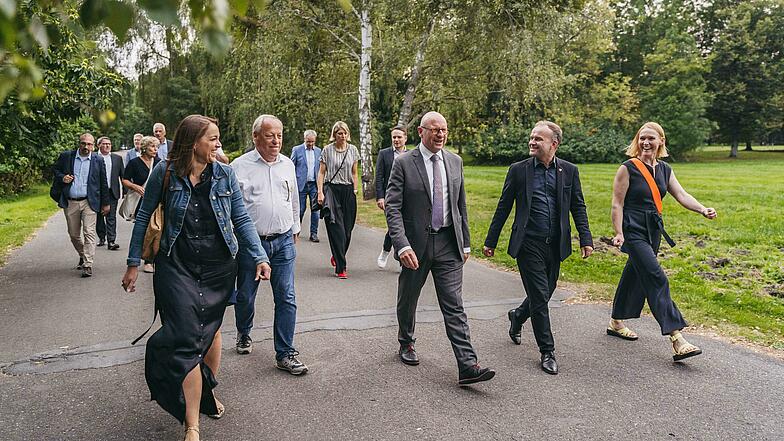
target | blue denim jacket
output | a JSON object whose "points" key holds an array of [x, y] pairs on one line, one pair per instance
{"points": [[226, 200]]}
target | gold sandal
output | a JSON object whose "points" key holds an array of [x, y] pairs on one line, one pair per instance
{"points": [[221, 410], [190, 429], [624, 333], [686, 350]]}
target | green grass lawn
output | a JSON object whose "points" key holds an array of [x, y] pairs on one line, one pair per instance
{"points": [[21, 215], [726, 274]]}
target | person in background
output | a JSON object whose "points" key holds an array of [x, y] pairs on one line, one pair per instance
{"points": [[383, 168], [106, 225], [137, 172], [306, 158]]}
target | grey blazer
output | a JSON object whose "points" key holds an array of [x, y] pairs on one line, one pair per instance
{"points": [[408, 201]]}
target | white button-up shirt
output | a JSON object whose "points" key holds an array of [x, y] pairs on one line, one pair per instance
{"points": [[310, 160], [107, 162], [269, 191]]}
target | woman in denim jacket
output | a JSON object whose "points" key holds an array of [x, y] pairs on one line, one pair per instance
{"points": [[195, 269]]}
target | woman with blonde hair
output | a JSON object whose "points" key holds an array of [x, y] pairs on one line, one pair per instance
{"points": [[136, 173], [640, 184], [338, 184], [204, 224]]}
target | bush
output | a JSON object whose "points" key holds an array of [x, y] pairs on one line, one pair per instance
{"points": [[509, 143]]}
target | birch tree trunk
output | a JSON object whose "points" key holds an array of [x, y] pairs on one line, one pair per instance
{"points": [[365, 137], [404, 118]]}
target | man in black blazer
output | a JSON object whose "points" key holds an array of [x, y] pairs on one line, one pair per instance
{"points": [[106, 225], [81, 190], [544, 190], [383, 169], [428, 222]]}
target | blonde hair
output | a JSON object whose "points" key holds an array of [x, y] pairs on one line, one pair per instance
{"points": [[339, 125], [634, 148], [147, 142]]}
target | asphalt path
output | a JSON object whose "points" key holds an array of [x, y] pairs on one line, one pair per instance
{"points": [[68, 371]]}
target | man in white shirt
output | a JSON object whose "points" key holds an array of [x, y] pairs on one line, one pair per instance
{"points": [[159, 130], [106, 224], [268, 183]]}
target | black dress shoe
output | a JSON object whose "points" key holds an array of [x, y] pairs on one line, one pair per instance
{"points": [[548, 363], [113, 246], [515, 326], [475, 374], [87, 271], [408, 355], [101, 243], [314, 238]]}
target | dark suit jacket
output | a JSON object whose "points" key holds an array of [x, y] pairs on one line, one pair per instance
{"points": [[409, 206], [301, 164], [517, 189], [383, 169], [97, 189], [118, 170]]}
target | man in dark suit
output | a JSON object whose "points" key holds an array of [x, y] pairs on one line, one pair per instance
{"points": [[106, 225], [544, 190], [306, 157], [428, 222], [82, 191], [383, 169], [159, 130]]}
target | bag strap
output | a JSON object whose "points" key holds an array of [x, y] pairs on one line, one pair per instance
{"points": [[651, 183], [341, 165]]}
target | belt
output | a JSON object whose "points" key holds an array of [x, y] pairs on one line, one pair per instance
{"points": [[77, 199], [445, 229], [545, 239], [270, 237]]}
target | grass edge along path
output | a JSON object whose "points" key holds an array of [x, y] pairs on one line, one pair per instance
{"points": [[726, 275], [21, 216]]}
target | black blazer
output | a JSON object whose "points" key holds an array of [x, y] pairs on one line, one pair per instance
{"points": [[118, 170], [383, 169], [518, 190], [97, 189]]}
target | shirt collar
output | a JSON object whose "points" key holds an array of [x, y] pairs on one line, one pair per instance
{"points": [[257, 157], [552, 164], [426, 153]]}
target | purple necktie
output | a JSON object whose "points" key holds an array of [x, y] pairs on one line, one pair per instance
{"points": [[437, 219]]}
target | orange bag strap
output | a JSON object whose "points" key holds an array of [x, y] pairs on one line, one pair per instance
{"points": [[651, 183]]}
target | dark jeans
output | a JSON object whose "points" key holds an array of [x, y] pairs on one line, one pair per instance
{"points": [[644, 278], [539, 265], [281, 252], [106, 226], [444, 260], [309, 192], [343, 216]]}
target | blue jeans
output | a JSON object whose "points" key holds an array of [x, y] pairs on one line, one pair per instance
{"points": [[312, 191], [281, 252]]}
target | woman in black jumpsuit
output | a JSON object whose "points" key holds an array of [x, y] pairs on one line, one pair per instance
{"points": [[195, 270], [638, 232]]}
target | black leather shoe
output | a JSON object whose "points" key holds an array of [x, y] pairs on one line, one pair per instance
{"points": [[87, 271], [113, 246], [548, 363], [515, 326], [408, 355], [101, 243], [314, 238], [475, 374]]}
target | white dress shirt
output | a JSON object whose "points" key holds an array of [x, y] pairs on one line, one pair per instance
{"points": [[107, 162], [426, 154], [310, 160], [269, 191]]}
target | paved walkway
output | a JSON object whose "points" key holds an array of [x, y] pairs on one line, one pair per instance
{"points": [[69, 372]]}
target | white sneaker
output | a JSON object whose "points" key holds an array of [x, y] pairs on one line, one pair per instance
{"points": [[148, 268], [382, 259]]}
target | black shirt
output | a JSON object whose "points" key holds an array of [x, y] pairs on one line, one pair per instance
{"points": [[200, 239], [137, 171], [543, 218]]}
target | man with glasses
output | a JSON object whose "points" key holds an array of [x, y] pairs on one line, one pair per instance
{"points": [[428, 223], [82, 191], [268, 183]]}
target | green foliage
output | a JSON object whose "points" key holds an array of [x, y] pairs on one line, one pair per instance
{"points": [[21, 215]]}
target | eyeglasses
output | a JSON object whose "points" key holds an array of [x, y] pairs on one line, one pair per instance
{"points": [[85, 143], [436, 131]]}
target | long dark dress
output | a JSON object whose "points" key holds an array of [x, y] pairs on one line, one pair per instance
{"points": [[192, 288], [643, 278]]}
